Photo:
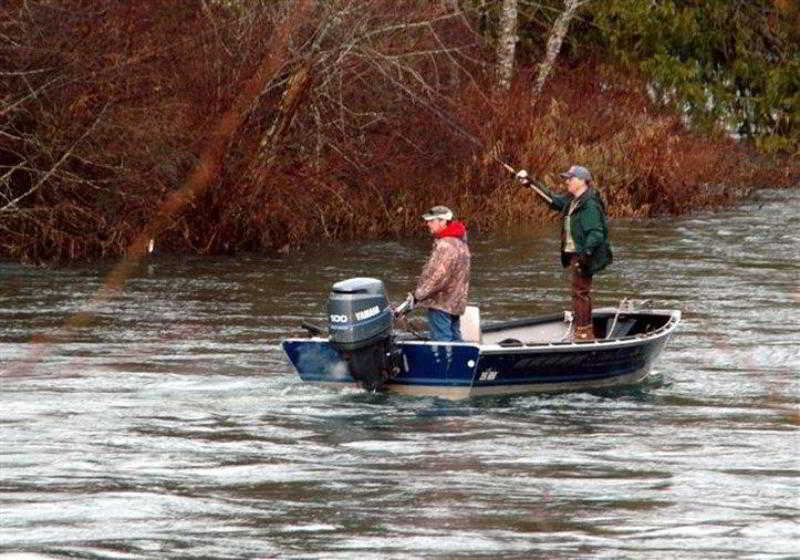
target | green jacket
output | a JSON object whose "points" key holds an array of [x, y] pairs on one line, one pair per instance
{"points": [[589, 228]]}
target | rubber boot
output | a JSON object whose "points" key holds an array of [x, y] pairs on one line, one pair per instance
{"points": [[584, 333]]}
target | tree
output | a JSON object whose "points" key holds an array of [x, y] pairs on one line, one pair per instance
{"points": [[720, 61], [554, 42], [109, 107], [506, 43]]}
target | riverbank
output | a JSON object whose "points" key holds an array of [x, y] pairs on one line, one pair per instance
{"points": [[228, 152]]}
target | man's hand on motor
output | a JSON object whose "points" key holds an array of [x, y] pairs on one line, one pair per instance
{"points": [[408, 305]]}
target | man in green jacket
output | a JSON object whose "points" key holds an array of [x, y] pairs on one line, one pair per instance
{"points": [[585, 248]]}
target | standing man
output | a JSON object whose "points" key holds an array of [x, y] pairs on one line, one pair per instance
{"points": [[444, 282], [585, 248]]}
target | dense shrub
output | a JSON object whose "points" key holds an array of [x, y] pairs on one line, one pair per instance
{"points": [[124, 121]]}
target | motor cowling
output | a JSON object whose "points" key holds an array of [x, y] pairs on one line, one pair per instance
{"points": [[360, 328]]}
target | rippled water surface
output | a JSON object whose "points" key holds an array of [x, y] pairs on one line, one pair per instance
{"points": [[168, 424]]}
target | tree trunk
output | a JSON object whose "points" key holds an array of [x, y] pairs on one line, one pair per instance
{"points": [[507, 43], [454, 75], [554, 42], [296, 90]]}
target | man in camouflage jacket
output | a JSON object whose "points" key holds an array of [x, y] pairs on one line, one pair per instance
{"points": [[444, 283]]}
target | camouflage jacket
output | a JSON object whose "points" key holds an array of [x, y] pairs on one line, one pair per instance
{"points": [[444, 282]]}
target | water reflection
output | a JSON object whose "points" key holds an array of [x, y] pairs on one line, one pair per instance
{"points": [[171, 426]]}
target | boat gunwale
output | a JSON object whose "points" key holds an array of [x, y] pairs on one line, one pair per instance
{"points": [[662, 331]]}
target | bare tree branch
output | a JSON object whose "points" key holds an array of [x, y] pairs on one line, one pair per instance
{"points": [[10, 206], [32, 95]]}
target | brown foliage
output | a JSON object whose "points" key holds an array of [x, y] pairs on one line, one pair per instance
{"points": [[645, 160], [380, 111]]}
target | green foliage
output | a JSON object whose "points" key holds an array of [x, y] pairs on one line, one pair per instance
{"points": [[734, 62]]}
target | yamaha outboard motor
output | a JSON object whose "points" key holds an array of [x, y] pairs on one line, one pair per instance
{"points": [[360, 325]]}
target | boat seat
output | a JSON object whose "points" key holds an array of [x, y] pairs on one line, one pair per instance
{"points": [[471, 324]]}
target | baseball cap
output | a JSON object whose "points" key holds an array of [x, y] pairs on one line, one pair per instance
{"points": [[579, 172], [438, 213]]}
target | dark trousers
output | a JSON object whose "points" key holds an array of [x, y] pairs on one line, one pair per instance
{"points": [[581, 285]]}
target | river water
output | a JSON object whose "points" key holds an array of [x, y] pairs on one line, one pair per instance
{"points": [[170, 425]]}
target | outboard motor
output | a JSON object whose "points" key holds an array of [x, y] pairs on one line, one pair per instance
{"points": [[360, 326]]}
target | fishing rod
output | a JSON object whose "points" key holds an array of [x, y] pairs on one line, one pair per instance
{"points": [[521, 175]]}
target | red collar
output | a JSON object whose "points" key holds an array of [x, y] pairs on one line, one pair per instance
{"points": [[453, 229]]}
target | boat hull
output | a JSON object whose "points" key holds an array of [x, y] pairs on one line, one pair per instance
{"points": [[466, 392], [463, 370]]}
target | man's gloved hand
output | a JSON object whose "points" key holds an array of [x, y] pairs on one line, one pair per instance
{"points": [[585, 263], [408, 305], [522, 176]]}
